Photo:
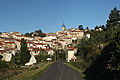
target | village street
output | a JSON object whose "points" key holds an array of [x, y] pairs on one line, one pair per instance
{"points": [[60, 71]]}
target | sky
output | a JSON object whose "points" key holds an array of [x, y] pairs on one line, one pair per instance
{"points": [[48, 15]]}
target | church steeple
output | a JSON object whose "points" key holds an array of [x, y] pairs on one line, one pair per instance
{"points": [[63, 27]]}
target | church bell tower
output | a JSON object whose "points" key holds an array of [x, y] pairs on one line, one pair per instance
{"points": [[63, 27]]}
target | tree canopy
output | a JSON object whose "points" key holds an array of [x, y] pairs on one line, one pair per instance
{"points": [[80, 27], [114, 18], [101, 52], [24, 55], [36, 33]]}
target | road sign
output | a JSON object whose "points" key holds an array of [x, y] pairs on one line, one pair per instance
{"points": [[74, 57]]}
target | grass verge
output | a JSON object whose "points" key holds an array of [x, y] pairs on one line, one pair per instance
{"points": [[32, 74], [75, 68]]}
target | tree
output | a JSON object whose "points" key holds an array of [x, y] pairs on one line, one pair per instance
{"points": [[41, 57], [62, 54], [28, 34], [103, 27], [114, 18], [24, 53], [80, 27], [40, 34], [38, 31], [107, 65], [1, 57], [16, 58], [96, 27], [87, 28], [3, 65], [115, 52], [101, 52]]}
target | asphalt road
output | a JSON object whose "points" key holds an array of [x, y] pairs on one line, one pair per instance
{"points": [[60, 71]]}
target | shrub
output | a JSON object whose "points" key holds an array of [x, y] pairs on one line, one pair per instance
{"points": [[42, 57], [3, 65], [79, 64]]}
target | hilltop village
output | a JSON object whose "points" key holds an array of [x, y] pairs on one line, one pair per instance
{"points": [[66, 39]]}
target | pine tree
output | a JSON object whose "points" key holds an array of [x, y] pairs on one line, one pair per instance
{"points": [[114, 19]]}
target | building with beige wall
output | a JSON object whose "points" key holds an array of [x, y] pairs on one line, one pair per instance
{"points": [[63, 28]]}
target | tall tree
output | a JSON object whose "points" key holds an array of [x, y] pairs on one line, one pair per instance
{"points": [[115, 52], [80, 27], [1, 57], [114, 18], [103, 27], [96, 27], [24, 53], [87, 28]]}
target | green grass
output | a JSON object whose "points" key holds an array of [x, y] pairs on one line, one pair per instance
{"points": [[75, 68], [32, 74]]}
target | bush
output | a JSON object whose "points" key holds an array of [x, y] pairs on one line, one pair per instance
{"points": [[1, 57], [3, 65], [79, 64], [9, 74], [42, 57]]}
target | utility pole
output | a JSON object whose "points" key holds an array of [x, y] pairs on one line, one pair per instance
{"points": [[55, 55]]}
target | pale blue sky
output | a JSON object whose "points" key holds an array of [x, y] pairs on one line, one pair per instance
{"points": [[48, 15]]}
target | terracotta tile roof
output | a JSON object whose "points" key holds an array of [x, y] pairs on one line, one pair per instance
{"points": [[39, 43], [9, 42], [10, 49], [1, 47], [40, 39], [17, 40], [72, 48], [57, 43], [47, 49], [2, 50], [72, 34], [49, 41], [1, 43], [29, 42], [62, 40], [36, 49], [6, 38]]}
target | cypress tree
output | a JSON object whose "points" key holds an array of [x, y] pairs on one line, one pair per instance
{"points": [[24, 53]]}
